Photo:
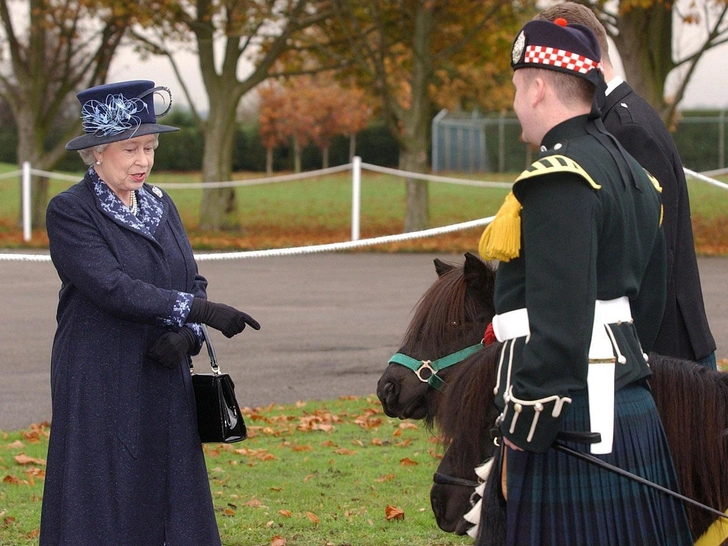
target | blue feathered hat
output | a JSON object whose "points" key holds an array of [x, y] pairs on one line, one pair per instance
{"points": [[119, 111]]}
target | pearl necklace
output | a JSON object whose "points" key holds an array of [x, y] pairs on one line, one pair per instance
{"points": [[133, 203]]}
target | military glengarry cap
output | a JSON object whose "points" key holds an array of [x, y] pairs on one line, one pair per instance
{"points": [[572, 49]]}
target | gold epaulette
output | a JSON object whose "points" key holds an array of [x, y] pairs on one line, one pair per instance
{"points": [[501, 239], [556, 164]]}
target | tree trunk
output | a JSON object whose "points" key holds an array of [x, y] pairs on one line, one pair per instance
{"points": [[268, 161], [39, 201], [644, 43], [325, 157], [415, 124], [30, 148], [352, 146], [417, 216], [36, 92], [219, 209], [296, 156]]}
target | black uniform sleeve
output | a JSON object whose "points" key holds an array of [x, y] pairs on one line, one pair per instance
{"points": [[559, 242]]}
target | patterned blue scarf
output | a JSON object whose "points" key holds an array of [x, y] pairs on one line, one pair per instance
{"points": [[148, 216], [146, 221]]}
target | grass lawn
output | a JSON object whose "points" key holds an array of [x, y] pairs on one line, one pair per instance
{"points": [[318, 210], [317, 473]]}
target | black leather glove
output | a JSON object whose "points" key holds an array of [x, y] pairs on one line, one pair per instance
{"points": [[222, 317], [172, 347]]}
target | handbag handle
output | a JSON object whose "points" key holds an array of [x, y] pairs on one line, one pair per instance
{"points": [[210, 351]]}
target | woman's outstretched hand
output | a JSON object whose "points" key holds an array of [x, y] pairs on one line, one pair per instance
{"points": [[222, 317]]}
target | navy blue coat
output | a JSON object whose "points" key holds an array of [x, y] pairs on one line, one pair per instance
{"points": [[684, 332], [125, 462]]}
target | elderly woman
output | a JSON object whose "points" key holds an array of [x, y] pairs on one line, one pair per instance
{"points": [[125, 462]]}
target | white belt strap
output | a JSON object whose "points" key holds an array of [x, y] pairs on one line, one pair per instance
{"points": [[600, 376], [514, 324]]}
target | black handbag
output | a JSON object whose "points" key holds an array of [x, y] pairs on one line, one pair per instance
{"points": [[219, 418]]}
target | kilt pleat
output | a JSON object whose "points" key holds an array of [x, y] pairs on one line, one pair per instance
{"points": [[557, 499]]}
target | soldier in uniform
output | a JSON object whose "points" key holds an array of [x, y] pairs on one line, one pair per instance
{"points": [[684, 332], [582, 270]]}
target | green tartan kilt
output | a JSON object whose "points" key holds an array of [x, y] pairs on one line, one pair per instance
{"points": [[556, 499]]}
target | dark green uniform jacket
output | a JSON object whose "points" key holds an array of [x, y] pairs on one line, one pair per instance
{"points": [[587, 233]]}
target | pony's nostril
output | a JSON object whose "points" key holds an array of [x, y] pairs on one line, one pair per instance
{"points": [[387, 390], [435, 506]]}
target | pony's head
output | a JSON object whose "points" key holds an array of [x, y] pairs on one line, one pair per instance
{"points": [[465, 416], [451, 316]]}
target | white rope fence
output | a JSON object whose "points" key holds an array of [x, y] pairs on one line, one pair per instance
{"points": [[253, 181], [707, 179], [294, 251], [356, 166], [435, 178]]}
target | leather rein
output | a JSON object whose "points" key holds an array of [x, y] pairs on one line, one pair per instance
{"points": [[444, 479]]}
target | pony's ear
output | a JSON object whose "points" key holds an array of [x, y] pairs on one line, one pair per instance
{"points": [[479, 277], [474, 267], [442, 267]]}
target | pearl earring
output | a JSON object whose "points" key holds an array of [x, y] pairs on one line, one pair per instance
{"points": [[98, 162]]}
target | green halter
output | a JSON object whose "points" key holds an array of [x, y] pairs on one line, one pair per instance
{"points": [[434, 366]]}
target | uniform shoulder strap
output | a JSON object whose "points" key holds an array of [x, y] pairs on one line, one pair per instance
{"points": [[554, 164]]}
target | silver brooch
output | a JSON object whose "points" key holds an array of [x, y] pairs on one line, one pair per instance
{"points": [[156, 191], [518, 46]]}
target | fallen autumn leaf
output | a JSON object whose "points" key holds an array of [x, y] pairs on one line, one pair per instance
{"points": [[392, 513]]}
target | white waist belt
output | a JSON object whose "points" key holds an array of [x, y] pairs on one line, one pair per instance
{"points": [[515, 324], [602, 350]]}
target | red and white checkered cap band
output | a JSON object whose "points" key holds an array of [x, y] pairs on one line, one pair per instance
{"points": [[558, 57]]}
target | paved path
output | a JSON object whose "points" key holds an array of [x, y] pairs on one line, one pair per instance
{"points": [[329, 323]]}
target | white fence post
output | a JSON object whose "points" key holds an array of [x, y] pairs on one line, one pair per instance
{"points": [[355, 197], [27, 231]]}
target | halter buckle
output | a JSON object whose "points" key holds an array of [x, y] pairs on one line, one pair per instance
{"points": [[426, 364]]}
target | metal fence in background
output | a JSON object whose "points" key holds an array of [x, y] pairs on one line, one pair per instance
{"points": [[471, 142]]}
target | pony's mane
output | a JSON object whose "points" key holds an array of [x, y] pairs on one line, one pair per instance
{"points": [[697, 438], [441, 317], [467, 411]]}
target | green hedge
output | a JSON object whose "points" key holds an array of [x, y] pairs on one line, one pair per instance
{"points": [[697, 137], [697, 140], [182, 150]]}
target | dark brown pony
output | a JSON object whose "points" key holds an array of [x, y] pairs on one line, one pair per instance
{"points": [[465, 416], [451, 315], [691, 399], [692, 402]]}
